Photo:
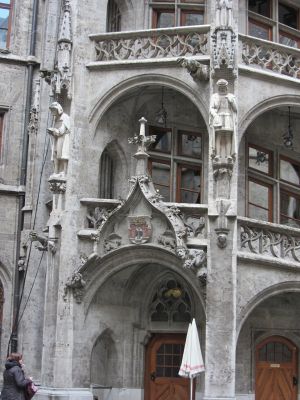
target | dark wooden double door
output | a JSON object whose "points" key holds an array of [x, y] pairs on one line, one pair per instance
{"points": [[163, 359], [276, 375]]}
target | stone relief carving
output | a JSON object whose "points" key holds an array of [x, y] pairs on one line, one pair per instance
{"points": [[60, 134], [268, 242], [194, 226], [168, 240], [144, 45], [224, 13], [57, 186], [76, 285], [197, 70], [45, 243], [112, 242], [97, 217], [224, 42]]}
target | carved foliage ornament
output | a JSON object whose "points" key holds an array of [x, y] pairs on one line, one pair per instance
{"points": [[76, 285], [224, 42]]}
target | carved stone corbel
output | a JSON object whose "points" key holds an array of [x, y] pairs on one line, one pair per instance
{"points": [[76, 285]]}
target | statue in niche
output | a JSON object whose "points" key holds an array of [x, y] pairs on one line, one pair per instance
{"points": [[60, 134], [224, 13], [222, 116]]}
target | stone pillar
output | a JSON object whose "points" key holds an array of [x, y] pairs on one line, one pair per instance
{"points": [[222, 199]]}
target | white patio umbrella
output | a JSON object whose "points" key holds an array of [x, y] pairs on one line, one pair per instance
{"points": [[192, 361]]}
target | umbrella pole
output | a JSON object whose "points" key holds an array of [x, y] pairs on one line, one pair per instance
{"points": [[191, 388]]}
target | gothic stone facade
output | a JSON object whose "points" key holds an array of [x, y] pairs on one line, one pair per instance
{"points": [[149, 173]]}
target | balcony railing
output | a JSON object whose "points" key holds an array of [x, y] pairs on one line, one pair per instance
{"points": [[269, 240], [152, 43], [270, 56]]}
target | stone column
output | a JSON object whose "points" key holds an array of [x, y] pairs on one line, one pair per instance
{"points": [[222, 199]]}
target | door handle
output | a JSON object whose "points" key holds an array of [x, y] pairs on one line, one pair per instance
{"points": [[153, 376], [295, 381]]}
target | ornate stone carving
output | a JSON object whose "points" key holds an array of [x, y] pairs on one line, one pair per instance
{"points": [[224, 13], [139, 228], [76, 284], [168, 240], [61, 78], [145, 45], [194, 226], [222, 230], [194, 258], [112, 242], [97, 217], [57, 186], [271, 57], [60, 134], [224, 42], [197, 70], [35, 109], [45, 243], [269, 242], [141, 139]]}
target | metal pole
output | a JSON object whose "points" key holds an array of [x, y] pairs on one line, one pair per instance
{"points": [[191, 388]]}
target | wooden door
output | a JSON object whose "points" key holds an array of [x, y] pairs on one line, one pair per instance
{"points": [[163, 360], [276, 370]]}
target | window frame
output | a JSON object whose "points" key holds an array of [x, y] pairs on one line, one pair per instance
{"points": [[10, 8], [270, 186], [178, 8], [175, 159], [2, 117], [276, 28], [264, 150]]}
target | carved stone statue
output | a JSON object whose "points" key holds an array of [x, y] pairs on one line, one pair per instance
{"points": [[224, 13], [60, 133], [222, 116]]}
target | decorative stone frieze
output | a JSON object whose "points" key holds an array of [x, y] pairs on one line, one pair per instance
{"points": [[153, 44], [198, 71], [267, 241], [270, 56]]}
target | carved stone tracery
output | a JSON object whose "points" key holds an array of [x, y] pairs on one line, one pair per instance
{"points": [[268, 242]]}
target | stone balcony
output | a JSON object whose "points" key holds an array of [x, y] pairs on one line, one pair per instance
{"points": [[257, 55], [268, 243], [158, 46]]}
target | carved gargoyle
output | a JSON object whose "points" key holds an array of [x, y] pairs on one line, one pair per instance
{"points": [[45, 243], [197, 70]]}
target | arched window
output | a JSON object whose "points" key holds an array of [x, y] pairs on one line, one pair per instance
{"points": [[106, 175], [170, 303], [113, 23]]}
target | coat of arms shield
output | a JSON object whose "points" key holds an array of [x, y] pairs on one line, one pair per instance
{"points": [[139, 229]]}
